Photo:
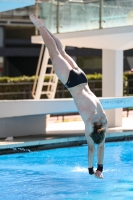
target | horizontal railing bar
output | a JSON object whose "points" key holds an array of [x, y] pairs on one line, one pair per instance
{"points": [[25, 83], [13, 93]]}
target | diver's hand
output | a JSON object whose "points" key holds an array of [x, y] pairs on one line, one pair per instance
{"points": [[98, 174]]}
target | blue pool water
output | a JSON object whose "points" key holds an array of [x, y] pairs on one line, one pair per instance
{"points": [[61, 174]]}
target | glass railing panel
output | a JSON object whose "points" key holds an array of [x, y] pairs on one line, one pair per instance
{"points": [[78, 17], [75, 15], [117, 13], [70, 16], [49, 12]]}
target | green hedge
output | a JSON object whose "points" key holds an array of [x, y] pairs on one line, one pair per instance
{"points": [[129, 78], [6, 79], [95, 76], [12, 85], [20, 79]]}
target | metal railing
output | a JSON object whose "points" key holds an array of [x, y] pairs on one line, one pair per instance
{"points": [[25, 89], [13, 91]]}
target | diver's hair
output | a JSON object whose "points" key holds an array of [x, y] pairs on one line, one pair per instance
{"points": [[98, 133]]}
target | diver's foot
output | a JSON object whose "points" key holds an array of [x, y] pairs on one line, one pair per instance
{"points": [[36, 21]]}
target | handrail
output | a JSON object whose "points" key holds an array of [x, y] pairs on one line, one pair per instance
{"points": [[61, 91], [37, 71]]}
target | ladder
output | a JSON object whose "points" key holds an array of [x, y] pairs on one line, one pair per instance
{"points": [[44, 83]]}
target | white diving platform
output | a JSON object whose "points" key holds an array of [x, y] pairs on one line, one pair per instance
{"points": [[117, 38], [18, 108], [28, 117]]}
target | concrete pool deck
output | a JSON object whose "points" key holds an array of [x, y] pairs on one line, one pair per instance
{"points": [[63, 134]]}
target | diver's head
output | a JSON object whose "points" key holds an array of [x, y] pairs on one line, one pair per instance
{"points": [[98, 133]]}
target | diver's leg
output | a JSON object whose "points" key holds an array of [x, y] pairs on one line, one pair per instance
{"points": [[63, 53], [41, 23], [60, 65]]}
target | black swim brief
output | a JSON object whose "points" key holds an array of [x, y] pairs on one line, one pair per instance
{"points": [[75, 78]]}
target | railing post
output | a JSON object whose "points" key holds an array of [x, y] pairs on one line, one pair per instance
{"points": [[100, 13], [57, 16]]}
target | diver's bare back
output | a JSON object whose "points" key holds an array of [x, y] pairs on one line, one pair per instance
{"points": [[88, 105]]}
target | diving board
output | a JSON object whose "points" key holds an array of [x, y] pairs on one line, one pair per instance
{"points": [[28, 117], [18, 108]]}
